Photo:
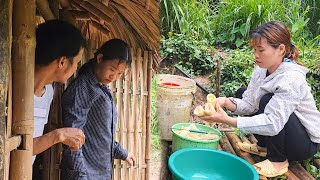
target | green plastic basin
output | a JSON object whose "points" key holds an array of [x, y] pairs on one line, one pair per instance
{"points": [[181, 142], [201, 164]]}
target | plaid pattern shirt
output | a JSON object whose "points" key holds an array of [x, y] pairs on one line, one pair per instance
{"points": [[88, 105]]}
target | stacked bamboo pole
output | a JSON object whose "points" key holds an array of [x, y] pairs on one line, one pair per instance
{"points": [[295, 172], [23, 76]]}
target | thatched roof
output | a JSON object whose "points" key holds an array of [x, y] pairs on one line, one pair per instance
{"points": [[135, 21]]}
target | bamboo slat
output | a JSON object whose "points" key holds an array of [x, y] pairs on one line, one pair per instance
{"points": [[117, 170], [134, 108], [139, 111], [126, 117], [148, 115], [143, 84]]}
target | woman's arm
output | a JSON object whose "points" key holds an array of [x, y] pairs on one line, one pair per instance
{"points": [[247, 105]]}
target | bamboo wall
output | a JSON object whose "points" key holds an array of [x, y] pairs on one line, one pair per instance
{"points": [[133, 98]]}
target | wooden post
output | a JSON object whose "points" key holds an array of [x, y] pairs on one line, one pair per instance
{"points": [[5, 62], [23, 54]]}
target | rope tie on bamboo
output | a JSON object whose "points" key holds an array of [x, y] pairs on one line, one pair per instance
{"points": [[23, 127]]}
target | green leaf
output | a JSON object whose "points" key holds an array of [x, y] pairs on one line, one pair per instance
{"points": [[243, 29], [239, 42]]}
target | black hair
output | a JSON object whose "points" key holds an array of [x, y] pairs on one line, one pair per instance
{"points": [[111, 50], [55, 39], [115, 49]]}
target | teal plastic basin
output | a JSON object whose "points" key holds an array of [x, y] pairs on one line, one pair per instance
{"points": [[201, 164]]}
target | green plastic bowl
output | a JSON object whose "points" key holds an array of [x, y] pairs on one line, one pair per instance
{"points": [[201, 164], [181, 142]]}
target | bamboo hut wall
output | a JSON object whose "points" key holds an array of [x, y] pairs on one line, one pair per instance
{"points": [[5, 81], [131, 96]]}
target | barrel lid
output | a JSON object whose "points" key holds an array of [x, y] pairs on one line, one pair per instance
{"points": [[176, 82]]}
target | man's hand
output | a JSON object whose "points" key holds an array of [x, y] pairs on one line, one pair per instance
{"points": [[72, 137], [131, 159]]}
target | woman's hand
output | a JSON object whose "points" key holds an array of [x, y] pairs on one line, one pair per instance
{"points": [[220, 115], [221, 101], [225, 102], [131, 159]]}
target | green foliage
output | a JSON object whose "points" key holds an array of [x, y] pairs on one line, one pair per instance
{"points": [[281, 177], [240, 17], [229, 22], [236, 71], [310, 58], [155, 131], [191, 54], [313, 170], [187, 17], [235, 19]]}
